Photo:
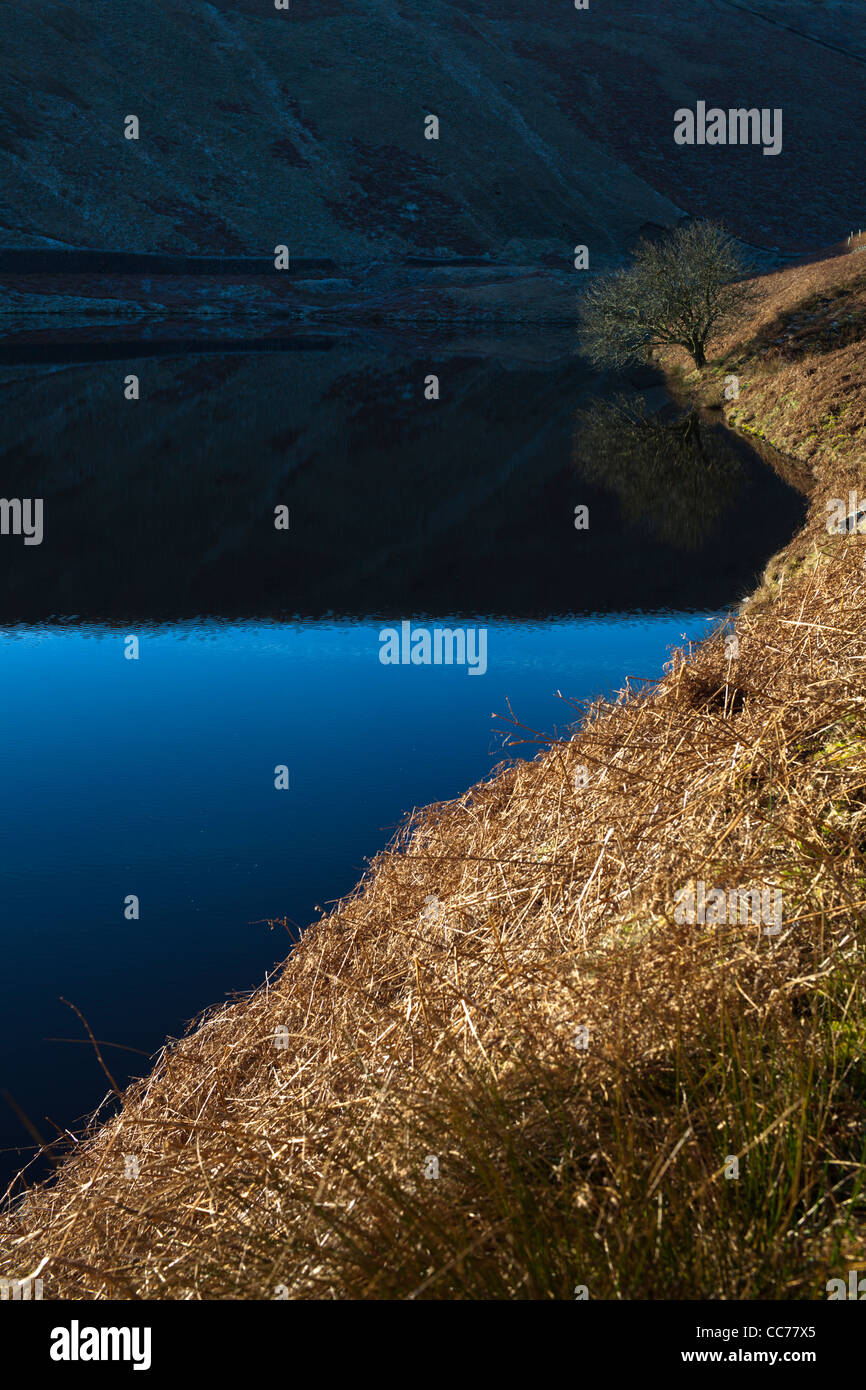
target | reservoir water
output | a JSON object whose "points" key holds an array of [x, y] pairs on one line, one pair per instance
{"points": [[145, 771]]}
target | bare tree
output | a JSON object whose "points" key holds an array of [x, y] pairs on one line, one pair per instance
{"points": [[679, 290]]}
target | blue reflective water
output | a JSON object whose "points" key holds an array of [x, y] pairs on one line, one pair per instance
{"points": [[155, 777]]}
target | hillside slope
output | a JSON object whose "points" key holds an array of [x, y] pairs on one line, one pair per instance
{"points": [[306, 126]]}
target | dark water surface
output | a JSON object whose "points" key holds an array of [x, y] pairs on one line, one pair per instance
{"points": [[258, 647]]}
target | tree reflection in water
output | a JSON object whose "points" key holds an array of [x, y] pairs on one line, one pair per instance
{"points": [[676, 476]]}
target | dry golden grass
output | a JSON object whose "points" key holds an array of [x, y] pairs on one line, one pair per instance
{"points": [[286, 1144]]}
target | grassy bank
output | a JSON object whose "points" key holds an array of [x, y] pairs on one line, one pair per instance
{"points": [[503, 1068]]}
